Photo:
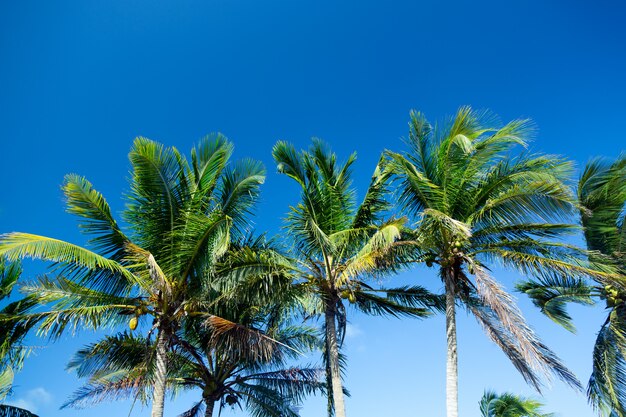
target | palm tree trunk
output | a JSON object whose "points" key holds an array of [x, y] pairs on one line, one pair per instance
{"points": [[160, 376], [452, 371], [210, 404], [333, 359]]}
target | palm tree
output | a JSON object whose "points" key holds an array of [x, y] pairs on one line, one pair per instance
{"points": [[12, 351], [119, 366], [476, 202], [602, 196], [180, 215], [337, 244], [509, 405], [227, 368]]}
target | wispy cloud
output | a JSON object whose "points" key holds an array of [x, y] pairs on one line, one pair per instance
{"points": [[33, 399], [353, 331]]}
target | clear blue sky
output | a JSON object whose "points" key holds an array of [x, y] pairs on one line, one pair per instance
{"points": [[80, 79]]}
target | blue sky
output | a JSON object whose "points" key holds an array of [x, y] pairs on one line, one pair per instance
{"points": [[80, 79]]}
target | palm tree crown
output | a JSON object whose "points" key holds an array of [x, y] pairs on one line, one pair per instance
{"points": [[122, 366], [337, 244], [180, 215], [477, 202], [509, 405], [602, 197]]}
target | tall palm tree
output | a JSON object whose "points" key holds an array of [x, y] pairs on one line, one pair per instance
{"points": [[602, 196], [12, 350], [180, 217], [509, 405], [337, 244], [475, 202]]}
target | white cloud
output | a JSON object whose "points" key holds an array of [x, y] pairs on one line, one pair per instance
{"points": [[33, 399], [353, 331]]}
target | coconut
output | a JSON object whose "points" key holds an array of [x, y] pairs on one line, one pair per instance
{"points": [[132, 323]]}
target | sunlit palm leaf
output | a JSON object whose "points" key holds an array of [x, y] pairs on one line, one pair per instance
{"points": [[16, 246], [84, 201]]}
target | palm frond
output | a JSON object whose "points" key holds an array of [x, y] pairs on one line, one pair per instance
{"points": [[372, 251], [410, 301], [195, 411], [551, 294], [240, 190], [265, 402], [292, 383], [12, 411], [98, 392], [84, 201], [608, 378], [416, 191], [375, 203], [119, 352], [157, 193], [202, 240], [6, 382], [602, 194], [532, 351], [509, 405], [289, 162], [251, 343], [208, 160], [75, 259]]}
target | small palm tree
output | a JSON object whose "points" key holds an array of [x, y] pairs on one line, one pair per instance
{"points": [[602, 196], [509, 405], [337, 244], [476, 202], [181, 216], [119, 366]]}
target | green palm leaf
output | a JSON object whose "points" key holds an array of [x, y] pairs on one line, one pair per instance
{"points": [[478, 197], [551, 295]]}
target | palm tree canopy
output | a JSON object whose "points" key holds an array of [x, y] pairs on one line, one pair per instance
{"points": [[180, 218], [602, 194], [204, 360], [509, 405], [12, 350], [181, 215], [337, 244], [602, 198], [476, 201]]}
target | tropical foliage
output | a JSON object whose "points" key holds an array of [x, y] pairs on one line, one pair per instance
{"points": [[12, 350], [246, 364], [477, 202], [509, 405], [215, 310], [337, 244], [602, 196], [119, 366], [180, 217]]}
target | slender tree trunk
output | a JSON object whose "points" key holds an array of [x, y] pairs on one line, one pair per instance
{"points": [[210, 404], [160, 376], [452, 371], [333, 359]]}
